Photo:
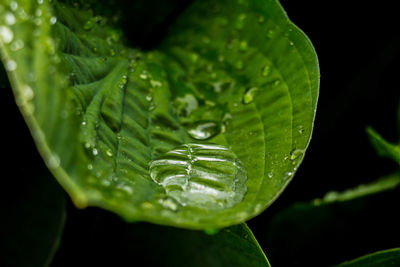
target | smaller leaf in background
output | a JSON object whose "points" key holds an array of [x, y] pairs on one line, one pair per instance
{"points": [[390, 257], [338, 227], [97, 238], [383, 147], [32, 221]]}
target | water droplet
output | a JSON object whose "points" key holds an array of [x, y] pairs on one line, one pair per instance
{"points": [[144, 75], [11, 65], [83, 123], [9, 18], [248, 96], [95, 152], [277, 82], [109, 153], [243, 46], [301, 129], [296, 153], [201, 175], [169, 203], [6, 34], [27, 92], [53, 20], [155, 83], [270, 175], [186, 105], [149, 97], [17, 45], [265, 70], [40, 2], [14, 5], [90, 167], [53, 161], [203, 130]]}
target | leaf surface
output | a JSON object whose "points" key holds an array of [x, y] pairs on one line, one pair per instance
{"points": [[306, 233], [390, 257], [114, 242], [203, 132]]}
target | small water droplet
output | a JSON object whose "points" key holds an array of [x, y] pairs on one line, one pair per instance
{"points": [[265, 70], [203, 130], [243, 46], [11, 65], [185, 105], [90, 167], [169, 203], [155, 83], [53, 161], [53, 20], [95, 152], [83, 123], [144, 75], [249, 95], [14, 5], [9, 18], [6, 34], [270, 175], [301, 129], [27, 92], [17, 45], [109, 153], [296, 153], [149, 97]]}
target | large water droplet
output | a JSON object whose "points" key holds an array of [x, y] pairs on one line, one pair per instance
{"points": [[203, 130], [201, 175], [9, 18]]}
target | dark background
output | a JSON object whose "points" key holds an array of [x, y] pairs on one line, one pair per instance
{"points": [[358, 48]]}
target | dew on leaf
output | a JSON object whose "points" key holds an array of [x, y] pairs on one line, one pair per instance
{"points": [[53, 20], [17, 45], [249, 95], [11, 65], [9, 18], [95, 152], [265, 70], [203, 130], [186, 105], [6, 34]]}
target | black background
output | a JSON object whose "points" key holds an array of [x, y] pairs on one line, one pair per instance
{"points": [[358, 48]]}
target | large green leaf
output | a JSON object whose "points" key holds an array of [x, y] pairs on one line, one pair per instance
{"points": [[350, 223], [390, 257], [114, 243], [203, 132]]}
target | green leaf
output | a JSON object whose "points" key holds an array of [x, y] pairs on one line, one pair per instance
{"points": [[203, 132], [114, 242], [389, 257], [384, 148], [32, 221], [352, 223]]}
